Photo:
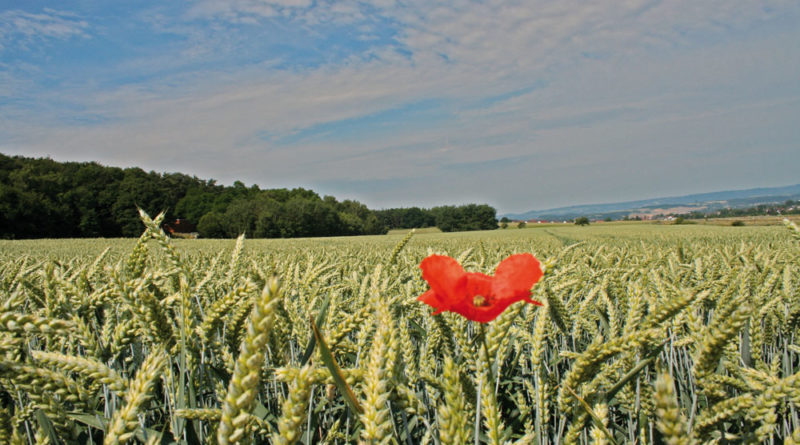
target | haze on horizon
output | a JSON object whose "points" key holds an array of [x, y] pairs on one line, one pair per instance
{"points": [[519, 104]]}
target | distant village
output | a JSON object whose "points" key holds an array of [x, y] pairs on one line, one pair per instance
{"points": [[671, 214]]}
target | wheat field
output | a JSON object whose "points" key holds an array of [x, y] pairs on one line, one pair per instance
{"points": [[648, 334]]}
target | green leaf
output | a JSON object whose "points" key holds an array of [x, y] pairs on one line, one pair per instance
{"points": [[336, 373], [99, 422], [628, 377], [596, 420], [47, 426], [93, 421], [323, 311]]}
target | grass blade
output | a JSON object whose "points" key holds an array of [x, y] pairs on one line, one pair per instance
{"points": [[336, 373], [321, 316]]}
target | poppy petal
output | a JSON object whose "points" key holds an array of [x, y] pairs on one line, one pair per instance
{"points": [[474, 284], [444, 275], [529, 300], [515, 276], [432, 299], [478, 284]]}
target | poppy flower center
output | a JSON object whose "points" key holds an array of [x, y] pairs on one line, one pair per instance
{"points": [[479, 300]]}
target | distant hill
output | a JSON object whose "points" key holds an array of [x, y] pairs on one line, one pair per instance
{"points": [[704, 202]]}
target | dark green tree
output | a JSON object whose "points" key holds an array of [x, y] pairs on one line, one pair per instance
{"points": [[212, 225], [45, 198]]}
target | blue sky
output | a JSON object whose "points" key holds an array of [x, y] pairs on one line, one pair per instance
{"points": [[523, 105]]}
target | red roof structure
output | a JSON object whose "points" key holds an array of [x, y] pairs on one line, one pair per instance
{"points": [[181, 228]]}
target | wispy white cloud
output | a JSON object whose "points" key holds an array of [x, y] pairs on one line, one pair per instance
{"points": [[610, 94], [25, 28]]}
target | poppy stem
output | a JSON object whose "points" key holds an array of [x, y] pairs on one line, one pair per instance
{"points": [[478, 411], [482, 336]]}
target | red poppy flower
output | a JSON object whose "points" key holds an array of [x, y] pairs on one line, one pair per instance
{"points": [[476, 296]]}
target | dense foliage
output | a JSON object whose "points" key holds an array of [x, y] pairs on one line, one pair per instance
{"points": [[42, 198], [446, 218], [649, 334], [582, 221]]}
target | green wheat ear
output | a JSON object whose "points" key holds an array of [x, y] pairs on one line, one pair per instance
{"points": [[125, 421], [399, 247], [244, 382], [453, 415], [671, 423], [377, 418], [294, 408], [87, 367]]}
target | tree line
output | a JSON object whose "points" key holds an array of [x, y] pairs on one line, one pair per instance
{"points": [[446, 218], [43, 198]]}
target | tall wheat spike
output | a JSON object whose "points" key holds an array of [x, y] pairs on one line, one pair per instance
{"points": [[124, 422], [377, 418], [294, 408], [244, 382], [671, 422], [86, 367], [453, 415]]}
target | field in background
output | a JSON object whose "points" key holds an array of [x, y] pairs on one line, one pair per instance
{"points": [[750, 220], [649, 332], [419, 231], [528, 236], [764, 220]]}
